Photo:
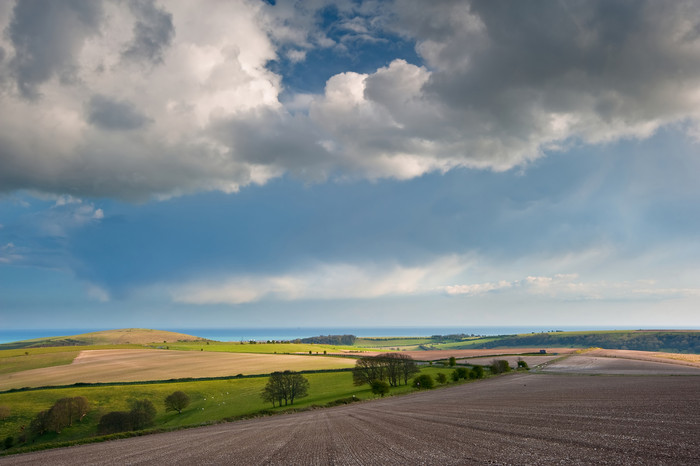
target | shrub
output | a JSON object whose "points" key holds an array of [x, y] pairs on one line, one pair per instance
{"points": [[522, 364], [9, 441], [177, 401], [455, 375], [441, 378], [379, 387], [499, 366], [423, 381], [453, 361], [142, 414], [116, 421], [477, 372], [462, 372]]}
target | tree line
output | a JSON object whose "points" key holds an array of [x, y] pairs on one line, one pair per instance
{"points": [[342, 340], [392, 368], [285, 386]]}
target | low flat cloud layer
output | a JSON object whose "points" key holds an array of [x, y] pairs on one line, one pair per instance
{"points": [[139, 99]]}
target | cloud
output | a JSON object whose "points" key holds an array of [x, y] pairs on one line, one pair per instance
{"points": [[45, 38], [153, 32], [137, 100], [323, 282], [114, 115]]}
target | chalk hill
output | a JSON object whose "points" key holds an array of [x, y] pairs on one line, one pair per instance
{"points": [[138, 336]]}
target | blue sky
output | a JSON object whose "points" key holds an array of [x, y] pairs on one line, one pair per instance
{"points": [[349, 164]]}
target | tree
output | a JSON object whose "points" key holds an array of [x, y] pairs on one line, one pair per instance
{"points": [[39, 425], [287, 386], [499, 366], [477, 372], [177, 401], [522, 364], [453, 361], [441, 378], [379, 387], [115, 421], [368, 369], [462, 372], [423, 381], [142, 414]]}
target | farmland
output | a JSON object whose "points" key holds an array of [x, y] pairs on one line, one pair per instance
{"points": [[130, 365], [517, 419]]}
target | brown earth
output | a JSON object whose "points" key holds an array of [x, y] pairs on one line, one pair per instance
{"points": [[472, 353], [673, 358], [588, 363], [522, 418], [532, 361], [139, 365]]}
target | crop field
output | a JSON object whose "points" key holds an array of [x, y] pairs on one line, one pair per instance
{"points": [[471, 353], [138, 365], [588, 364], [261, 348], [212, 401], [531, 361], [514, 419]]}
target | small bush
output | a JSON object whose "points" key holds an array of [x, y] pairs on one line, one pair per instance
{"points": [[455, 375], [423, 381], [453, 361], [116, 421], [499, 366], [477, 372], [522, 364], [9, 441], [441, 378], [462, 372], [379, 387]]}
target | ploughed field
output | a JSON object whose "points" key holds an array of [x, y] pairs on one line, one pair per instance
{"points": [[522, 418]]}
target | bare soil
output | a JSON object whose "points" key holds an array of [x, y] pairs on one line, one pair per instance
{"points": [[590, 364], [531, 361], [139, 365], [472, 353], [522, 418]]}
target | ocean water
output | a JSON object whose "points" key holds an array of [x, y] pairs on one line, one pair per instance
{"points": [[281, 333]]}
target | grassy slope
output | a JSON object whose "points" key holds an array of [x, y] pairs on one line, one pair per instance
{"points": [[260, 348], [212, 401], [106, 337]]}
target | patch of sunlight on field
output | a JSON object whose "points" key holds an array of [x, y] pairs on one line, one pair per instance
{"points": [[138, 365]]}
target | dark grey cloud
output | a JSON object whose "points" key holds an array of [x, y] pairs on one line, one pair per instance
{"points": [[46, 35], [113, 114], [153, 32]]}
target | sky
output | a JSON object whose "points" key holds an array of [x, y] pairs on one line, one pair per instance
{"points": [[182, 164]]}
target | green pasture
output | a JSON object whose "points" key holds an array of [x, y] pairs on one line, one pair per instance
{"points": [[212, 401], [16, 360], [387, 342]]}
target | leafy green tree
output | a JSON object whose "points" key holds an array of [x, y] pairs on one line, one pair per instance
{"points": [[177, 401], [462, 372], [441, 378], [287, 386], [453, 361], [142, 414], [455, 375], [380, 387], [115, 421], [477, 372], [423, 381], [499, 366], [522, 364]]}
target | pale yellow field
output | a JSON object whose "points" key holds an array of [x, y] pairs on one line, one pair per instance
{"points": [[131, 365], [677, 358]]}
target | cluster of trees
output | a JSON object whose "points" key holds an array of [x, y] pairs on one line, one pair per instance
{"points": [[476, 372], [285, 386], [63, 413], [344, 340], [388, 367], [141, 415]]}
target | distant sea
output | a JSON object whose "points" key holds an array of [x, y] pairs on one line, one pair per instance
{"points": [[264, 334]]}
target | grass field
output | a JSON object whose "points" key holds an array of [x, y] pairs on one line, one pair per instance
{"points": [[131, 365], [123, 336], [212, 401]]}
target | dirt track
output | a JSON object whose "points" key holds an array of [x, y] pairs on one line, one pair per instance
{"points": [[513, 419]]}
